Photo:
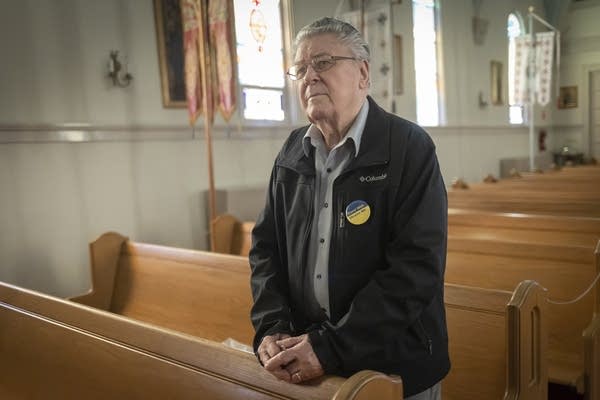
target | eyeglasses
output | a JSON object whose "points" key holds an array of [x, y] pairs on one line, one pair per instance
{"points": [[318, 64]]}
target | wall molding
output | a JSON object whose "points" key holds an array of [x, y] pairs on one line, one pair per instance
{"points": [[81, 133]]}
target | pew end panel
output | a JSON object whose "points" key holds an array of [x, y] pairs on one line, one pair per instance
{"points": [[526, 324], [490, 336], [231, 236], [56, 349], [591, 342], [104, 259]]}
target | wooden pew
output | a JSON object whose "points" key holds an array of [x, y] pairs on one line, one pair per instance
{"points": [[524, 228], [565, 271], [171, 287], [200, 293], [572, 192], [55, 349], [580, 174], [576, 172]]}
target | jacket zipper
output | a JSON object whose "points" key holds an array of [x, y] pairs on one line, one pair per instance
{"points": [[305, 246], [337, 247], [427, 342]]}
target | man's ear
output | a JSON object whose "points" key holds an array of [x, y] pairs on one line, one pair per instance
{"points": [[364, 81]]}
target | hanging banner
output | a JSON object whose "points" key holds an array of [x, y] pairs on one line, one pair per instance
{"points": [[220, 22], [544, 55], [521, 89], [209, 57], [191, 15]]}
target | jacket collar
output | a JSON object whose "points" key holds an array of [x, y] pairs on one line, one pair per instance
{"points": [[374, 146]]}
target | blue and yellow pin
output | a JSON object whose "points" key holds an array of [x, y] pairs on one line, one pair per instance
{"points": [[358, 212]]}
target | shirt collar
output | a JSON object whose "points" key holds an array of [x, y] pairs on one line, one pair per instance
{"points": [[314, 137]]}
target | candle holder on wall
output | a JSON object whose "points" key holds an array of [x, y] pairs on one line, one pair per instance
{"points": [[117, 71]]}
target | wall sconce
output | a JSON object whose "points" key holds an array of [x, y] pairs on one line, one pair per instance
{"points": [[119, 75], [482, 102]]}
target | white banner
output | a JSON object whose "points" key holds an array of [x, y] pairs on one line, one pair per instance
{"points": [[544, 54], [521, 89]]}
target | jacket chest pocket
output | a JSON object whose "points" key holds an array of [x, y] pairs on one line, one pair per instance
{"points": [[363, 219]]}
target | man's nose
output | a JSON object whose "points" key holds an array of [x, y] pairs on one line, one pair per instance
{"points": [[311, 75]]}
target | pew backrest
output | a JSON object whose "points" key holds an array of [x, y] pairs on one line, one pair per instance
{"points": [[529, 228], [200, 293], [231, 236], [55, 349]]}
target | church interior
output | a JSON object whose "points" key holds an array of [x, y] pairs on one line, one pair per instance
{"points": [[123, 211]]}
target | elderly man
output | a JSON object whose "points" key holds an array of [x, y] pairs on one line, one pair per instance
{"points": [[348, 256]]}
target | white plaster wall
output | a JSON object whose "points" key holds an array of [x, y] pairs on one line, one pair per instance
{"points": [[57, 197], [467, 65], [581, 55]]}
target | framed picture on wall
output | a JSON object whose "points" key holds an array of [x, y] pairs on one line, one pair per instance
{"points": [[496, 83], [567, 97], [169, 38]]}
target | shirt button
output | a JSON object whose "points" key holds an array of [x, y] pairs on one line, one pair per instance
{"points": [[318, 276], [322, 240], [326, 205], [328, 169]]}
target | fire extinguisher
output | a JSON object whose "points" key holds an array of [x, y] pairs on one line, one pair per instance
{"points": [[542, 140]]}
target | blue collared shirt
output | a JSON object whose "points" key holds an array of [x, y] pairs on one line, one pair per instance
{"points": [[328, 166]]}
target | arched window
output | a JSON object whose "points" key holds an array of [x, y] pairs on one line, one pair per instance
{"points": [[514, 29], [260, 53]]}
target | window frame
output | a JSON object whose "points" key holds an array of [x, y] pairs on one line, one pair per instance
{"points": [[288, 100], [524, 114], [439, 70]]}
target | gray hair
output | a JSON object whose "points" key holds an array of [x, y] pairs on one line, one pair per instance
{"points": [[347, 34]]}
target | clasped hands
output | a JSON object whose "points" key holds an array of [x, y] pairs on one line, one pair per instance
{"points": [[289, 358]]}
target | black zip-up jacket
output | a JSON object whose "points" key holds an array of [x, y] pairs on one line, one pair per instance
{"points": [[386, 276]]}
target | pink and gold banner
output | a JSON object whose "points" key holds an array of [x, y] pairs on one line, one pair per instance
{"points": [[209, 57]]}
